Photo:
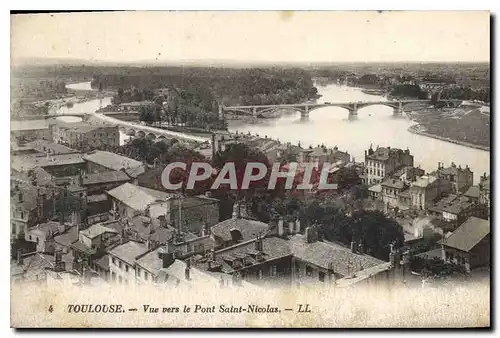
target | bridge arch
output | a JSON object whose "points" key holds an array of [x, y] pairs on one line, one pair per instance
{"points": [[130, 132], [140, 134], [150, 136]]}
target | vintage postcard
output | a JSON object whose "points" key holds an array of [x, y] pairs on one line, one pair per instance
{"points": [[319, 169]]}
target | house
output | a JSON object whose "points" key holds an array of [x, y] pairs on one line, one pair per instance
{"points": [[43, 235], [101, 161], [192, 213], [375, 191], [455, 209], [384, 161], [236, 230], [321, 154], [391, 190], [83, 135], [426, 190], [469, 244], [30, 129], [408, 174], [61, 165], [484, 191], [122, 260], [99, 183], [460, 178], [49, 147]]}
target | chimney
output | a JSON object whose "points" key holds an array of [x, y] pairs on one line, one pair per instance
{"points": [[280, 226], [361, 248], [311, 234], [258, 243], [236, 210], [166, 255], [353, 247], [188, 270], [297, 226], [291, 228], [75, 218], [19, 257]]}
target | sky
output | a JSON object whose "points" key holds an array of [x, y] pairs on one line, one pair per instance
{"points": [[304, 37]]}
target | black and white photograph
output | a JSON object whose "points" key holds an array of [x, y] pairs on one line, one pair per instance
{"points": [[250, 169]]}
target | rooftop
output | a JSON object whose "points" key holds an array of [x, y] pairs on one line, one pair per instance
{"points": [[128, 251], [96, 230], [26, 162], [469, 234], [49, 147], [453, 204], [323, 253], [29, 125], [68, 237], [111, 161], [105, 177], [138, 198], [424, 181], [393, 183], [248, 228], [151, 262], [472, 192], [383, 153]]}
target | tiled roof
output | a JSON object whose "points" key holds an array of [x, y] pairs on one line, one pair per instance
{"points": [[248, 228], [472, 192], [453, 204], [111, 161], [151, 262], [324, 253], [137, 197], [50, 147], [469, 234], [128, 251], [105, 177], [96, 230], [68, 237]]}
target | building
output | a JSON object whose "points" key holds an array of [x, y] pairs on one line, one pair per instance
{"points": [[469, 244], [50, 148], [190, 213], [391, 190], [122, 260], [62, 165], [484, 191], [99, 183], [82, 135], [460, 178], [237, 229], [408, 174], [43, 235], [321, 154], [426, 190], [102, 161], [30, 129], [384, 161], [455, 209]]}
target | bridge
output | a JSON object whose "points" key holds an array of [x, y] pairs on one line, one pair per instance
{"points": [[305, 108]]}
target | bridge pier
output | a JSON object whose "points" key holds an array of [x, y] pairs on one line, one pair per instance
{"points": [[353, 114], [254, 111], [398, 111]]}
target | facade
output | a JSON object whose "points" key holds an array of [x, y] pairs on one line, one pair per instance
{"points": [[383, 161], [30, 129], [391, 190], [460, 178], [83, 135], [455, 209], [122, 261], [469, 245], [426, 190]]}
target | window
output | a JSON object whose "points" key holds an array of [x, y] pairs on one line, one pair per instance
{"points": [[274, 270], [113, 260], [31, 238], [120, 279], [120, 264], [126, 268], [463, 260], [321, 276], [145, 275], [259, 274], [451, 257], [309, 271]]}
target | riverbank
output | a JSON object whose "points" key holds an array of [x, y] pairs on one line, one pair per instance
{"points": [[421, 130]]}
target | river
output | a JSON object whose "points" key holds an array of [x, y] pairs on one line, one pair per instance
{"points": [[375, 125], [330, 126]]}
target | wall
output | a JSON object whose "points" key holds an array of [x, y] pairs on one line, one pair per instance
{"points": [[116, 271]]}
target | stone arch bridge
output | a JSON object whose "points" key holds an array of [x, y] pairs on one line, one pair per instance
{"points": [[306, 108]]}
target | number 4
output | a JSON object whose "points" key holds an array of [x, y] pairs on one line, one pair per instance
{"points": [[51, 308]]}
